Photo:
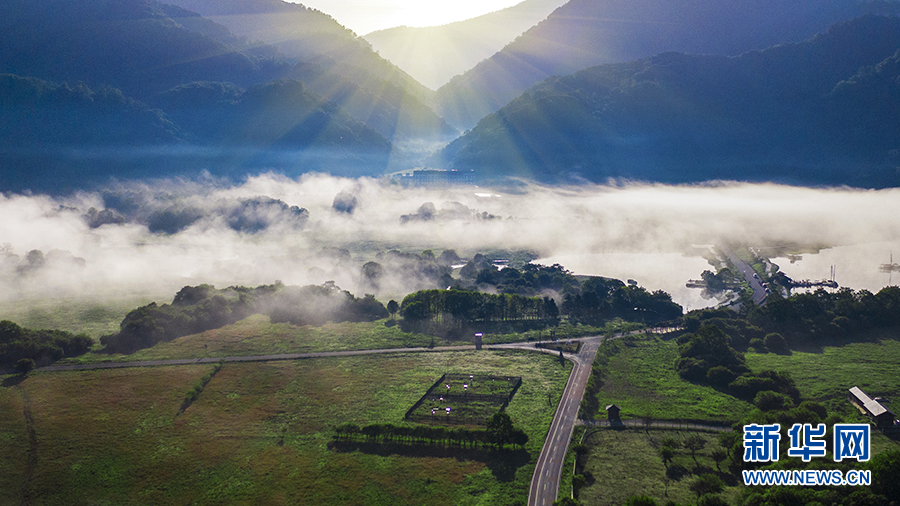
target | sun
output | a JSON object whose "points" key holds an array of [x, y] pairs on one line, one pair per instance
{"points": [[365, 16]]}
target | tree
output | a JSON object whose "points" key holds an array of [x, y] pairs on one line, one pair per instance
{"points": [[393, 307], [719, 455], [768, 400], [667, 454], [500, 429], [519, 438], [777, 344], [885, 469], [24, 366], [551, 312], [694, 443], [640, 500]]}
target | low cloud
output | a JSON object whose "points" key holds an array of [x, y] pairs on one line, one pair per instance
{"points": [[155, 238]]}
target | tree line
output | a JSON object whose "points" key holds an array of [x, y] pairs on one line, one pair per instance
{"points": [[458, 306], [498, 433], [199, 308], [809, 319], [41, 347]]}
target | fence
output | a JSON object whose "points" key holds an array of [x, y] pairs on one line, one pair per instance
{"points": [[470, 408], [660, 424]]}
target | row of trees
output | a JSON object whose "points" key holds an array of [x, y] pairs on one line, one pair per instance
{"points": [[499, 432], [199, 308], [459, 307], [40, 346], [824, 317], [603, 299], [529, 280], [818, 318]]}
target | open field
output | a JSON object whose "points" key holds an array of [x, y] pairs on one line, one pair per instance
{"points": [[259, 434], [640, 378], [826, 376], [73, 314], [623, 463], [255, 335]]}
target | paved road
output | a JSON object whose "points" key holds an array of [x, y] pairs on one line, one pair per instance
{"points": [[545, 481], [759, 292], [250, 358]]}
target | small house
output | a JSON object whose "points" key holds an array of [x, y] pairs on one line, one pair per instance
{"points": [[612, 413], [881, 416]]}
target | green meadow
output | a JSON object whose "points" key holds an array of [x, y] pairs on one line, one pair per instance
{"points": [[639, 376], [827, 374], [259, 433], [626, 462]]}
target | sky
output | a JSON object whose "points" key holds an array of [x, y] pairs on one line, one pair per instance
{"points": [[365, 16]]}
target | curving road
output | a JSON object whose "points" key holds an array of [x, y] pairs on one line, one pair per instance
{"points": [[545, 481]]}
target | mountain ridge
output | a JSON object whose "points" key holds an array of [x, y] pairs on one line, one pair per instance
{"points": [[799, 113], [585, 33]]}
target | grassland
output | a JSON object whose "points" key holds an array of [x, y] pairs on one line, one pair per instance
{"points": [[77, 315], [259, 433], [827, 374], [640, 377], [255, 335], [623, 463]]}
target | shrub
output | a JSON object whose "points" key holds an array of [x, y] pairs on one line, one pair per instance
{"points": [[24, 366], [768, 400]]}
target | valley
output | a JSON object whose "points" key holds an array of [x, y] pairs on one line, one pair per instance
{"points": [[561, 252]]}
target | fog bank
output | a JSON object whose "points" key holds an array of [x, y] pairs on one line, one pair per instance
{"points": [[157, 237]]}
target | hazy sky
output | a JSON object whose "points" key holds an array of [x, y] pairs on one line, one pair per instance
{"points": [[365, 16]]}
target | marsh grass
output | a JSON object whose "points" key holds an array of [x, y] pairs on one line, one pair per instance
{"points": [[827, 374], [258, 433], [639, 376], [626, 462]]}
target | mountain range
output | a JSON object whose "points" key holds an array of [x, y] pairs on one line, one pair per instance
{"points": [[584, 33], [334, 63], [92, 89], [820, 111]]}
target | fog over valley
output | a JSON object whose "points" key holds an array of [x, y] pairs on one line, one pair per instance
{"points": [[152, 238]]}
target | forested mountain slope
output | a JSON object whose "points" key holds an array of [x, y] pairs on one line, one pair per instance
{"points": [[333, 62], [822, 111], [96, 88], [585, 33]]}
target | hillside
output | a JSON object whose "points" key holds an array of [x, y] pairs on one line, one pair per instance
{"points": [[822, 111], [133, 45], [585, 33], [333, 62], [55, 136], [434, 54]]}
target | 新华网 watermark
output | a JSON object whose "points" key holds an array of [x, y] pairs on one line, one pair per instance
{"points": [[849, 442]]}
